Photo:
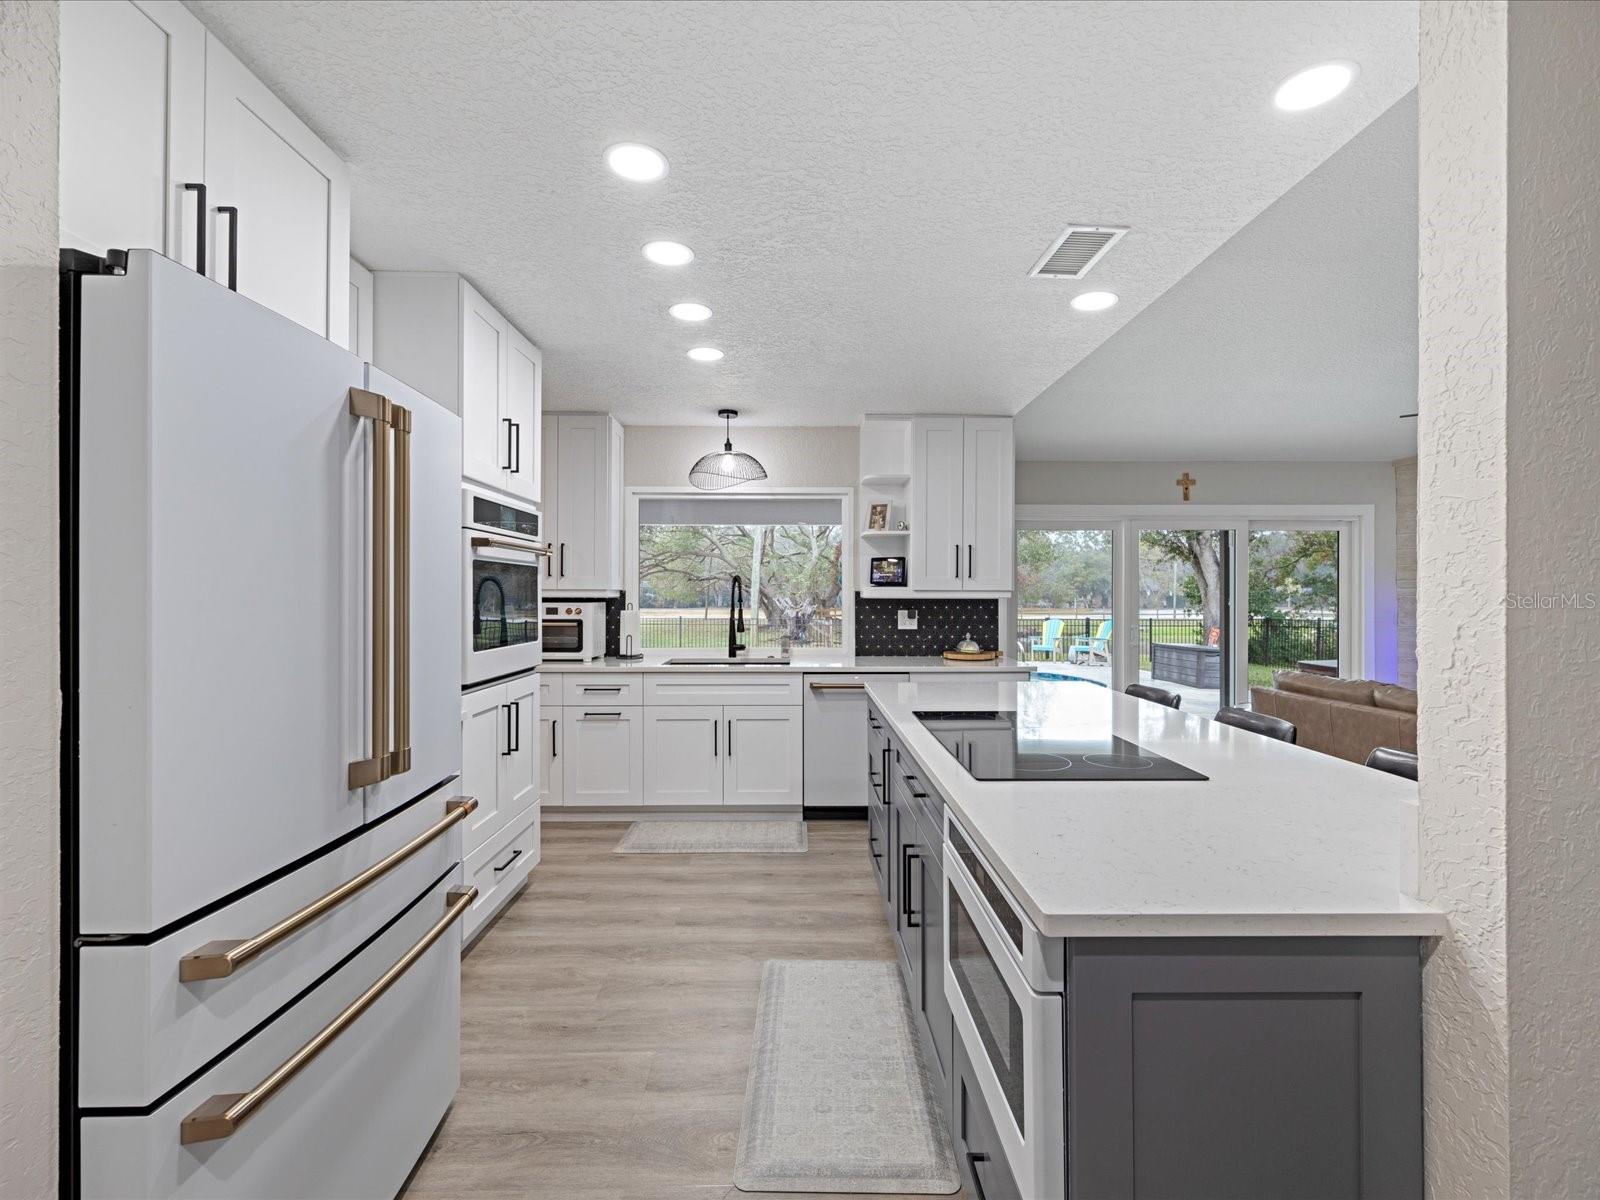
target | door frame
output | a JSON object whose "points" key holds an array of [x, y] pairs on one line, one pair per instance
{"points": [[1357, 524]]}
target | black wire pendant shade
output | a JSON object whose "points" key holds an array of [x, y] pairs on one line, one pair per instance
{"points": [[727, 467]]}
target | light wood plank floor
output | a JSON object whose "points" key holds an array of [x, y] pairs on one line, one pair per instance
{"points": [[608, 1017]]}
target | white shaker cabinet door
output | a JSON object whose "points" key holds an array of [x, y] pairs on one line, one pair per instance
{"points": [[988, 504], [133, 94], [938, 543], [550, 493], [519, 770], [683, 754], [485, 736], [292, 196], [605, 756], [762, 763], [551, 759], [524, 382], [485, 427], [582, 502]]}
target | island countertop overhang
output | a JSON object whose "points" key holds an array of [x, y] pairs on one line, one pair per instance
{"points": [[1279, 841]]}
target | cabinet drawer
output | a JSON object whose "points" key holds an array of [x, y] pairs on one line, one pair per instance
{"points": [[350, 1124], [499, 868], [141, 1029], [723, 689], [981, 1157], [585, 688], [549, 691]]}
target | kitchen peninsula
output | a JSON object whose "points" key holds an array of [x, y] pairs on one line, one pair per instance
{"points": [[1145, 946]]}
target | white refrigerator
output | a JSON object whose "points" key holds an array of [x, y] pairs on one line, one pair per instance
{"points": [[261, 819]]}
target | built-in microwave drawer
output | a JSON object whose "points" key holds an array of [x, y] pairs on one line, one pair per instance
{"points": [[142, 1029], [352, 1122], [591, 688]]}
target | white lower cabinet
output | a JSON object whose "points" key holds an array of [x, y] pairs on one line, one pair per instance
{"points": [[550, 758], [762, 758], [604, 749], [684, 751], [501, 736], [499, 868]]}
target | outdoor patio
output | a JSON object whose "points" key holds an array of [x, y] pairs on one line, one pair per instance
{"points": [[1200, 701]]}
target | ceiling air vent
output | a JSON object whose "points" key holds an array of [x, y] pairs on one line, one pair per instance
{"points": [[1076, 250]]}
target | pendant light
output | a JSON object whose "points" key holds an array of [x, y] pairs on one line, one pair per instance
{"points": [[725, 468]]}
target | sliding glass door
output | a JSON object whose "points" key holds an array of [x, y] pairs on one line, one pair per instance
{"points": [[1185, 614], [1065, 591], [1299, 577]]}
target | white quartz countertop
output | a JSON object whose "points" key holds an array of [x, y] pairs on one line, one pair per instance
{"points": [[1278, 841], [801, 662]]}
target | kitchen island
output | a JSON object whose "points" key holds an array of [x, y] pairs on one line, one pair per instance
{"points": [[1206, 984]]}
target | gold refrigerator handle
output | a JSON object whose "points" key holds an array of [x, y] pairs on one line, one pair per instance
{"points": [[217, 960], [222, 1115], [374, 769], [400, 756]]}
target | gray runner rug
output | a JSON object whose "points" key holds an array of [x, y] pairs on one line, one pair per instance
{"points": [[840, 1099], [713, 837]]}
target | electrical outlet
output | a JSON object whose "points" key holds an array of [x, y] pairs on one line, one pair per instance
{"points": [[908, 618]]}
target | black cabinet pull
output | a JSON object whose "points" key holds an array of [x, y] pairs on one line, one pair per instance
{"points": [[506, 866], [507, 750], [969, 560], [516, 445], [872, 842], [973, 1159], [730, 737], [516, 726], [200, 211], [233, 245], [957, 549], [716, 732], [912, 780], [554, 721], [563, 571], [508, 423], [907, 854]]}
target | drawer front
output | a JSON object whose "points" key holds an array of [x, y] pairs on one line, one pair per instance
{"points": [[498, 869], [978, 1150], [142, 1030], [352, 1123], [549, 690], [727, 688], [582, 687]]}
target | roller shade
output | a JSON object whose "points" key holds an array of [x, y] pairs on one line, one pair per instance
{"points": [[740, 510]]}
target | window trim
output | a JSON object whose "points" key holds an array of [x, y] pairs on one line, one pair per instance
{"points": [[1358, 520], [847, 561]]}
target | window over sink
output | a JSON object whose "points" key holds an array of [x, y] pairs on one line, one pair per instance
{"points": [[790, 551]]}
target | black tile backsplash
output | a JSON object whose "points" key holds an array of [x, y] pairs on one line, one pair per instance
{"points": [[940, 625]]}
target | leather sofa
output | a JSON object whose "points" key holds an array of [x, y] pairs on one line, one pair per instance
{"points": [[1347, 718]]}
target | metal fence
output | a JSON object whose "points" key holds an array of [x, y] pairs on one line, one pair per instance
{"points": [[1274, 641], [697, 633]]}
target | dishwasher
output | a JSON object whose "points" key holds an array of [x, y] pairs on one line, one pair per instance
{"points": [[836, 739]]}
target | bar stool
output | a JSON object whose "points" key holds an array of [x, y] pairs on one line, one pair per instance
{"points": [[1396, 762], [1154, 694], [1243, 718]]}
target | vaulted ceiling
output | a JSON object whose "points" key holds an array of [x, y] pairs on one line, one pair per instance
{"points": [[865, 185]]}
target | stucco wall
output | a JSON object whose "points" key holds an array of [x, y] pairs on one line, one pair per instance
{"points": [[1461, 627], [29, 699], [1240, 483], [1553, 548]]}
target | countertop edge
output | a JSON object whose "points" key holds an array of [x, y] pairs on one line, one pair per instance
{"points": [[874, 666]]}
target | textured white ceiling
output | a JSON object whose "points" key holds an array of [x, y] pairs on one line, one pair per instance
{"points": [[865, 184], [1296, 340]]}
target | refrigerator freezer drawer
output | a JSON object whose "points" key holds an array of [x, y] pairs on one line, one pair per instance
{"points": [[350, 1125], [142, 1029]]}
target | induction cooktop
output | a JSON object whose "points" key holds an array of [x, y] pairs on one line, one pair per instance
{"points": [[989, 745]]}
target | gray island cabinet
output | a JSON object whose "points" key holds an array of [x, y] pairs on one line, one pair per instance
{"points": [[1181, 989]]}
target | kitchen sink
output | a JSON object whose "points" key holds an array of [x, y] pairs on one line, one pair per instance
{"points": [[727, 662]]}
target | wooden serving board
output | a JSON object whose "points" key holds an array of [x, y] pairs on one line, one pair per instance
{"points": [[974, 656]]}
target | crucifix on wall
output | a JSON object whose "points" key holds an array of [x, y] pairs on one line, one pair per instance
{"points": [[1186, 481]]}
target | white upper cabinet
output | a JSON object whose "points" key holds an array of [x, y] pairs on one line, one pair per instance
{"points": [[438, 332], [133, 93], [582, 483], [360, 343], [962, 507], [280, 202], [937, 535], [166, 137]]}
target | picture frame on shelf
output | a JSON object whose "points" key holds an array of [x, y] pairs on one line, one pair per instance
{"points": [[887, 572], [878, 517]]}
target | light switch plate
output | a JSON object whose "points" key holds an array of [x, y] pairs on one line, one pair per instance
{"points": [[908, 618]]}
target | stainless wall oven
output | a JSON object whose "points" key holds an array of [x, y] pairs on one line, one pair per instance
{"points": [[1005, 984], [502, 572]]}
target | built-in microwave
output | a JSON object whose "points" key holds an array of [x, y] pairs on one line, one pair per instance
{"points": [[575, 629], [502, 572]]}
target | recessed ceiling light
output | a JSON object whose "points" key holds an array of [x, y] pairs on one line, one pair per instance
{"points": [[668, 254], [639, 163], [705, 354], [690, 312], [1094, 301], [1313, 86]]}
